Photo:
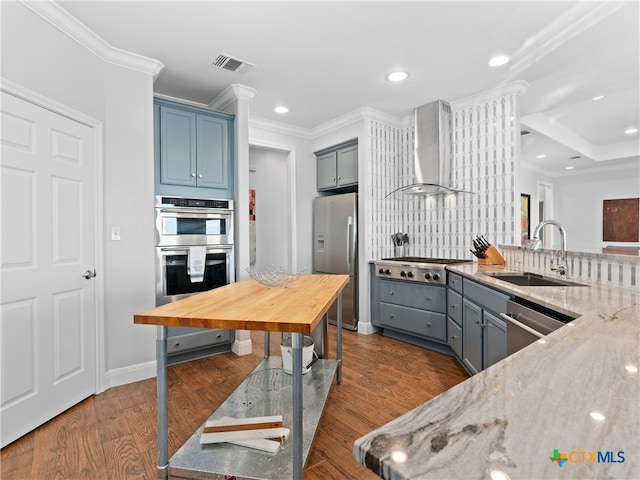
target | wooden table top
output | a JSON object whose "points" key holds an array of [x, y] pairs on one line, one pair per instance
{"points": [[248, 305]]}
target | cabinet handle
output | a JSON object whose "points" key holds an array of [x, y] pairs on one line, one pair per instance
{"points": [[193, 175], [453, 305], [428, 299], [453, 336], [428, 324], [391, 315], [391, 292], [199, 175], [177, 344]]}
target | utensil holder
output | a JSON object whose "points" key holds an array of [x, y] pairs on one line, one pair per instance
{"points": [[491, 257]]}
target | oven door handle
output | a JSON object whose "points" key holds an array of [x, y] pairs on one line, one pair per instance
{"points": [[521, 325]]}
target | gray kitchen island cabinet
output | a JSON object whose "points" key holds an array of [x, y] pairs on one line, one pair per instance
{"points": [[337, 166], [194, 149], [484, 335]]}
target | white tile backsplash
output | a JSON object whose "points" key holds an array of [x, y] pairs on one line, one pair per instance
{"points": [[484, 155], [608, 269]]}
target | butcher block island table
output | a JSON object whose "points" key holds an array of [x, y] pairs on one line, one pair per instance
{"points": [[248, 305]]}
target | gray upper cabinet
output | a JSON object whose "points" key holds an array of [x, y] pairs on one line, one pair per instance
{"points": [[194, 150], [337, 167]]}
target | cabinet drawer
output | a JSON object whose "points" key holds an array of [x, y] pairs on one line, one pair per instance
{"points": [[455, 337], [454, 281], [486, 297], [185, 339], [454, 307], [414, 321], [416, 295]]}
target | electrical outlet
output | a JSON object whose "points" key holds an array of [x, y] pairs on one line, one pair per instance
{"points": [[116, 234]]}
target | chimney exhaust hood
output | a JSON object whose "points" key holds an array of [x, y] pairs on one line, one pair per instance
{"points": [[433, 151]]}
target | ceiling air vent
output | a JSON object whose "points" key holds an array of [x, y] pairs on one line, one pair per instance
{"points": [[575, 157], [524, 132], [227, 62]]}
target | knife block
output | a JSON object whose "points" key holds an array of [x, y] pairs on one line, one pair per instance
{"points": [[491, 257]]}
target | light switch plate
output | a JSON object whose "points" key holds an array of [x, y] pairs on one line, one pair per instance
{"points": [[116, 234]]}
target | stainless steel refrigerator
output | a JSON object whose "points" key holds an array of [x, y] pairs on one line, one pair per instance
{"points": [[335, 249]]}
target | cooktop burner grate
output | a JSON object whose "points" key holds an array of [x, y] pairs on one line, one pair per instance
{"points": [[440, 261]]}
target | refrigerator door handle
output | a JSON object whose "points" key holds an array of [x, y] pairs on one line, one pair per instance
{"points": [[350, 245]]}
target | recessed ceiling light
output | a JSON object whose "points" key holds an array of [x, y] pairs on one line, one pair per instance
{"points": [[629, 131], [569, 168], [599, 97], [397, 76], [498, 61], [281, 109], [597, 416], [631, 369], [542, 155]]}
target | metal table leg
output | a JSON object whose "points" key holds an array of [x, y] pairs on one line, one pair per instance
{"points": [[267, 344], [162, 403], [296, 343], [339, 340]]}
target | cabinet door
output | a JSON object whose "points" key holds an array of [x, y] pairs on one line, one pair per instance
{"points": [[212, 152], [495, 339], [472, 336], [326, 165], [347, 162], [177, 147], [454, 338]]}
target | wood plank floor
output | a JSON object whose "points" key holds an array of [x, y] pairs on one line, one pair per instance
{"points": [[113, 435]]}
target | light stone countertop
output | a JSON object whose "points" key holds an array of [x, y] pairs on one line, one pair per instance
{"points": [[511, 418]]}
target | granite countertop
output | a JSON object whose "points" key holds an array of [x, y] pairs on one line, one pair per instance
{"points": [[508, 421]]}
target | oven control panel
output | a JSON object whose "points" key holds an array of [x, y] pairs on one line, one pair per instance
{"points": [[412, 273]]}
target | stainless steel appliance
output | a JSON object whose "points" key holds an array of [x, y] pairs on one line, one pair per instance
{"points": [[527, 323], [194, 254], [335, 241], [416, 269]]}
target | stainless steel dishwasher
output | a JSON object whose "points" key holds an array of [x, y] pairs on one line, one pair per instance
{"points": [[528, 322]]}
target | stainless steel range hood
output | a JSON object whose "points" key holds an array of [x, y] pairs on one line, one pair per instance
{"points": [[433, 151]]}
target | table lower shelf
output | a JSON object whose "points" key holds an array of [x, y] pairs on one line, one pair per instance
{"points": [[266, 391]]}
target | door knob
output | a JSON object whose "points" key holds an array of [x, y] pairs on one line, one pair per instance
{"points": [[89, 274]]}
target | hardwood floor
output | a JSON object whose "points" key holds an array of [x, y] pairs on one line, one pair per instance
{"points": [[113, 435]]}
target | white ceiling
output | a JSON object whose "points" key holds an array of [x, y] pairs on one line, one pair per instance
{"points": [[323, 59]]}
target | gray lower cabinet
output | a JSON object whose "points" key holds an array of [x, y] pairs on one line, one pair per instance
{"points": [[471, 336], [484, 334], [410, 311], [454, 337], [495, 339]]}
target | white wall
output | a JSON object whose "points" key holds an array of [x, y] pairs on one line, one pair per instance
{"points": [[39, 57], [579, 201], [268, 177], [301, 168]]}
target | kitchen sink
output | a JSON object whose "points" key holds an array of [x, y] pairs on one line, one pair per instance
{"points": [[528, 279]]}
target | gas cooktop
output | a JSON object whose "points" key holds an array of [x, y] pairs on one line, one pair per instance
{"points": [[416, 269]]}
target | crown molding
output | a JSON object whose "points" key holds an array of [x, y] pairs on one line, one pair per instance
{"points": [[230, 94], [78, 32], [349, 118], [518, 87], [279, 127]]}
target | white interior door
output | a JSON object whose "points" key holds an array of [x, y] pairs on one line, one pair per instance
{"points": [[47, 306]]}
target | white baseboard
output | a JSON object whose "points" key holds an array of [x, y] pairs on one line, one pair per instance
{"points": [[130, 374], [242, 347], [366, 328]]}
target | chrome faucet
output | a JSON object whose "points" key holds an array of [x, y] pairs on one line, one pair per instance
{"points": [[535, 244]]}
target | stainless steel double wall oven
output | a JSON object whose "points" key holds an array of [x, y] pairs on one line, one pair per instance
{"points": [[193, 231], [185, 226]]}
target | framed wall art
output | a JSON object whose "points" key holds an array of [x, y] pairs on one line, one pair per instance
{"points": [[525, 217]]}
